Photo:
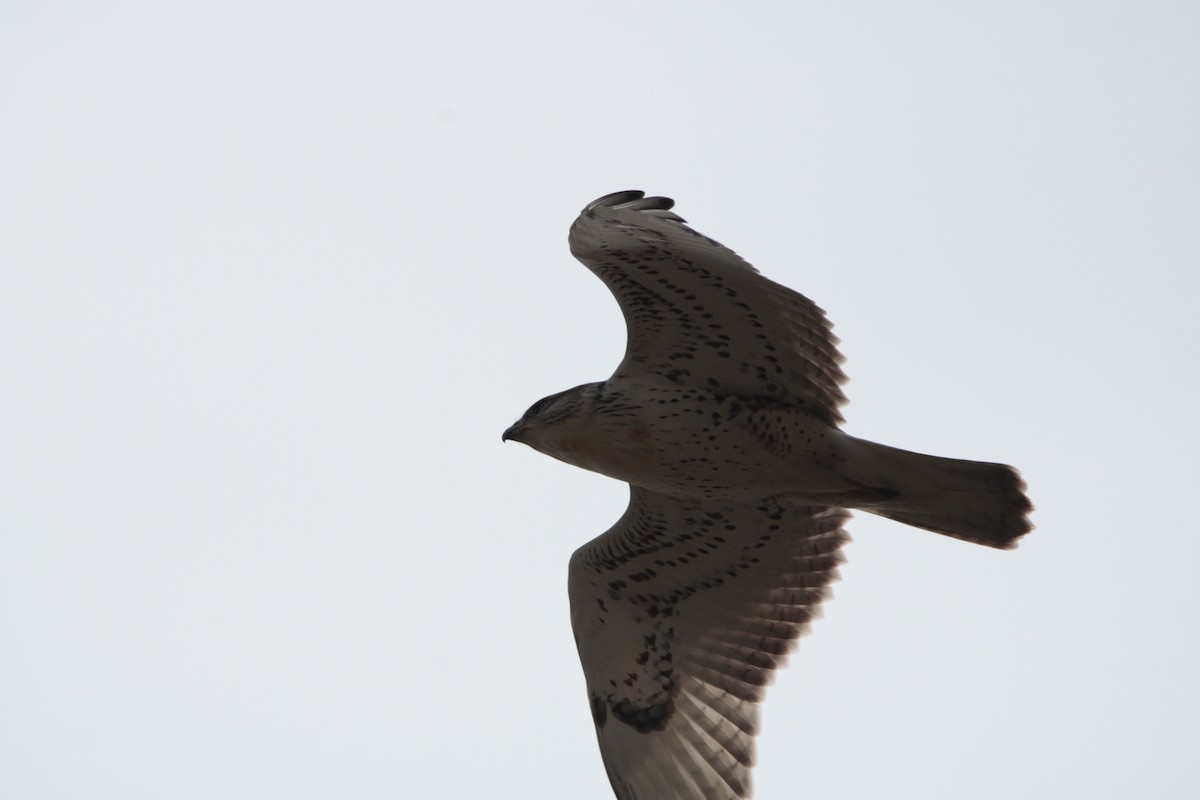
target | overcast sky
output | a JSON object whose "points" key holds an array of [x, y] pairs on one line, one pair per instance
{"points": [[274, 277]]}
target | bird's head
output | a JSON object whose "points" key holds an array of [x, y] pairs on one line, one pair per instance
{"points": [[548, 418], [573, 427]]}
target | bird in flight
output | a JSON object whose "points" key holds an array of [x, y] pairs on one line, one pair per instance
{"points": [[723, 419]]}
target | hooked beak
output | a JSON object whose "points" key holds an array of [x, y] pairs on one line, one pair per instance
{"points": [[511, 433]]}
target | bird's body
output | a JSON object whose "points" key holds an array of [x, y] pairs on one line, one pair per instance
{"points": [[685, 442], [723, 420]]}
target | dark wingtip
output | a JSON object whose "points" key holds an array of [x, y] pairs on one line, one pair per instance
{"points": [[616, 199], [636, 200], [649, 203]]}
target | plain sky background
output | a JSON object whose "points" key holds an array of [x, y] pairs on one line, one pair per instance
{"points": [[274, 277]]}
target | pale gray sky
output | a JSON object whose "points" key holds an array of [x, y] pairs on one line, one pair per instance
{"points": [[275, 276]]}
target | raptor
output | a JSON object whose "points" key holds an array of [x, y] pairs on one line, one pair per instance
{"points": [[723, 419]]}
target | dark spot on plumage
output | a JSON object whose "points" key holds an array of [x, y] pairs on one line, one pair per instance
{"points": [[647, 718], [599, 711]]}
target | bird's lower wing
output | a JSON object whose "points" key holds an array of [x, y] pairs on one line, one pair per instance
{"points": [[682, 612]]}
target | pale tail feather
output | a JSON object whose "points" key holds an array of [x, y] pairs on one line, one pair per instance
{"points": [[970, 500]]}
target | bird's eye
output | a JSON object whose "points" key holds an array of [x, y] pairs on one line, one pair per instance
{"points": [[540, 406], [546, 404]]}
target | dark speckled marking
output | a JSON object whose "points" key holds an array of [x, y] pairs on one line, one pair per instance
{"points": [[644, 719], [599, 710]]}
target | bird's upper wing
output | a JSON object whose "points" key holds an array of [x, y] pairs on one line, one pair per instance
{"points": [[697, 314], [681, 612]]}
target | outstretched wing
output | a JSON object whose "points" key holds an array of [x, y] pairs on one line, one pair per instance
{"points": [[697, 314], [681, 612]]}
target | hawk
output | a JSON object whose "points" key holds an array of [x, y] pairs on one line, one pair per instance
{"points": [[723, 419]]}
